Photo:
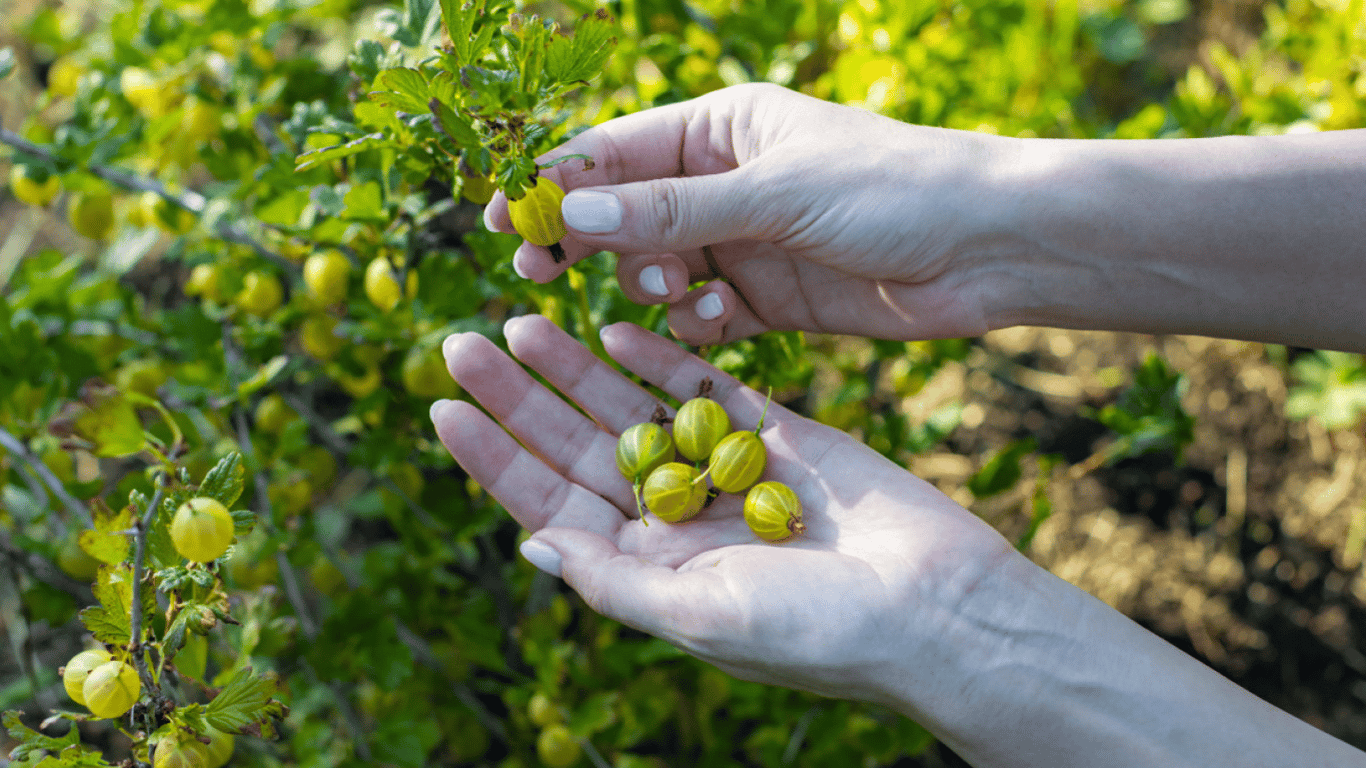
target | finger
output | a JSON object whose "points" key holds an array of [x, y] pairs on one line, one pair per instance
{"points": [[652, 278], [670, 140], [608, 397], [651, 598], [533, 493], [700, 317], [669, 367], [572, 445]]}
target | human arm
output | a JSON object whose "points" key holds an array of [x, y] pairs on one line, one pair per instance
{"points": [[895, 594], [809, 215]]}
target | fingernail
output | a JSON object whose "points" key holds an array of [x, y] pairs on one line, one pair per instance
{"points": [[448, 344], [652, 280], [595, 213], [543, 556], [488, 219], [518, 269], [437, 406], [709, 307]]}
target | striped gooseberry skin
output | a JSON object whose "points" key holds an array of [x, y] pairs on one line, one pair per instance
{"points": [[700, 424], [642, 449], [674, 493], [773, 511], [737, 462], [536, 214]]}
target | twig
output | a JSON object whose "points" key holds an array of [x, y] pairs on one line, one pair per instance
{"points": [[74, 507], [140, 527], [189, 200], [794, 744]]}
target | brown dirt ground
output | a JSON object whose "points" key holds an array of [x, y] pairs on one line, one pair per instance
{"points": [[1238, 555]]}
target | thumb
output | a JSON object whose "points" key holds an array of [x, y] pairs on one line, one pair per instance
{"points": [[620, 586], [662, 215]]}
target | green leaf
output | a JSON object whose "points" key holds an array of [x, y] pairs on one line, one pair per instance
{"points": [[405, 740], [224, 481], [109, 620], [328, 154], [245, 705], [456, 127], [405, 89], [107, 541], [31, 742], [460, 19], [106, 419], [364, 201], [263, 376], [1002, 471], [597, 714], [578, 58]]}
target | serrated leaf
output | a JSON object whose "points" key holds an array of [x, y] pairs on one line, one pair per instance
{"points": [[578, 58], [245, 706], [109, 619], [456, 127], [31, 742], [107, 541], [224, 481], [328, 154], [404, 89], [460, 19]]}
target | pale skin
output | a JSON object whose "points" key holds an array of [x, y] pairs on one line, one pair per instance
{"points": [[896, 594]]}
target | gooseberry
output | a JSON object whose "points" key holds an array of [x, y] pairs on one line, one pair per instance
{"points": [[675, 492], [536, 216], [111, 689], [78, 669], [318, 337], [773, 511], [32, 186], [202, 529], [188, 752], [557, 747], [700, 424], [381, 287], [642, 449], [92, 214], [326, 275], [261, 293]]}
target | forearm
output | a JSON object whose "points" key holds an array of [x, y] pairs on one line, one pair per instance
{"points": [[1036, 672], [1258, 238]]}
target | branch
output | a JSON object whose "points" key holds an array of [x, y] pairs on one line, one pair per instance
{"points": [[189, 200], [74, 507], [140, 527]]}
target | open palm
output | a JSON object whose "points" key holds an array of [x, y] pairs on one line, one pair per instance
{"points": [[885, 555]]}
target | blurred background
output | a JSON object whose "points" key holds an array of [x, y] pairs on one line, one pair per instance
{"points": [[1212, 490]]}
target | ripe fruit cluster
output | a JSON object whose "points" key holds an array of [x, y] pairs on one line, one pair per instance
{"points": [[675, 491], [107, 687]]}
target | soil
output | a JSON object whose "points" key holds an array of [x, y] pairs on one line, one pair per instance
{"points": [[1238, 553]]}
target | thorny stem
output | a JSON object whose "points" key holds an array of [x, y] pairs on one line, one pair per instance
{"points": [[135, 620], [74, 507]]}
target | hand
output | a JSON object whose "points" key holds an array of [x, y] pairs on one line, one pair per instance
{"points": [[802, 214], [852, 608]]}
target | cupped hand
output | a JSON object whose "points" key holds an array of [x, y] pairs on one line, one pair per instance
{"points": [[886, 560], [800, 213]]}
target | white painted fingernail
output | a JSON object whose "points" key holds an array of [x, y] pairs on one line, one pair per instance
{"points": [[543, 556], [710, 307], [437, 406], [652, 280], [595, 213], [516, 268]]}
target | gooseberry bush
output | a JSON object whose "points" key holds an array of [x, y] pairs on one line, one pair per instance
{"points": [[239, 233]]}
